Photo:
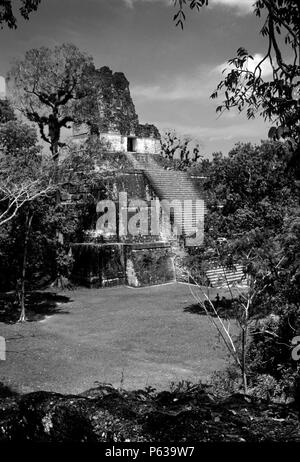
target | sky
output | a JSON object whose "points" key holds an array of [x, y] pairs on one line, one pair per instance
{"points": [[171, 72]]}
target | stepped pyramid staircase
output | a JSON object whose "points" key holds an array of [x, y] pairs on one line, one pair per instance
{"points": [[180, 186], [174, 186], [223, 277]]}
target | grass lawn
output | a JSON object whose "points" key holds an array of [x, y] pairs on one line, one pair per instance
{"points": [[127, 337]]}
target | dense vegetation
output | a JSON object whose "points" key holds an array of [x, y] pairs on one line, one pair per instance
{"points": [[253, 220], [252, 198], [252, 194]]}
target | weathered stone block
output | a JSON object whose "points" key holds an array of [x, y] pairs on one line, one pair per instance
{"points": [[149, 264], [98, 265]]}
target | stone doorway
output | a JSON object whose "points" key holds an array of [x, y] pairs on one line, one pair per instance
{"points": [[131, 144]]}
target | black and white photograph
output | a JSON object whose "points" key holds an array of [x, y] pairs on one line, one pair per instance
{"points": [[150, 225]]}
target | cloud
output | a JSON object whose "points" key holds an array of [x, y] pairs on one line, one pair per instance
{"points": [[130, 3], [241, 6], [184, 87], [157, 93], [252, 63], [216, 132], [195, 86]]}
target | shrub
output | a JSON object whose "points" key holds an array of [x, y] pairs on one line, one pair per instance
{"points": [[227, 382]]}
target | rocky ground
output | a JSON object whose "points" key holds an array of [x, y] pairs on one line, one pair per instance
{"points": [[105, 414]]}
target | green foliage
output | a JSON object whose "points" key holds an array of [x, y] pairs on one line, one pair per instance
{"points": [[271, 347], [225, 383], [261, 385], [20, 164], [46, 256], [253, 220], [250, 194], [19, 143], [179, 152], [6, 111], [252, 206]]}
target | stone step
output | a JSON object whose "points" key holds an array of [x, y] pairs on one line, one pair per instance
{"points": [[221, 276], [172, 186]]}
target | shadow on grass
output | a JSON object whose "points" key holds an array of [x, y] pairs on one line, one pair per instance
{"points": [[6, 391], [38, 306], [224, 307]]}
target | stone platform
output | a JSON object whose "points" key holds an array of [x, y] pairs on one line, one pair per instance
{"points": [[132, 264]]}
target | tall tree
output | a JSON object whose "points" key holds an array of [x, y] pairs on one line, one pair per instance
{"points": [[24, 180], [47, 84], [23, 177]]}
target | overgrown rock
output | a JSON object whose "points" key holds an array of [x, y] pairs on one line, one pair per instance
{"points": [[106, 414]]}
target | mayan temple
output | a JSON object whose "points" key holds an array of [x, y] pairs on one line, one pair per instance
{"points": [[117, 121], [131, 152]]}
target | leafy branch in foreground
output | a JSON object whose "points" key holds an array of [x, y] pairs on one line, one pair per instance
{"points": [[8, 13], [247, 85]]}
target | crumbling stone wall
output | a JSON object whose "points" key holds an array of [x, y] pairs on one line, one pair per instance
{"points": [[116, 109], [149, 264], [116, 118]]}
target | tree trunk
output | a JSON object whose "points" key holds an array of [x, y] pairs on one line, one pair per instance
{"points": [[55, 151], [59, 238], [244, 345], [24, 265]]}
